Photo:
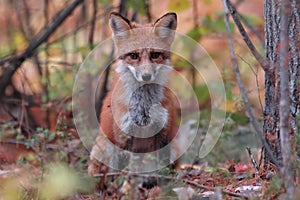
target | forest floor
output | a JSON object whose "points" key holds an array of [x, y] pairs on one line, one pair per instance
{"points": [[53, 165]]}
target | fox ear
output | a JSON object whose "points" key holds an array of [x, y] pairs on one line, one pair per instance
{"points": [[119, 25], [166, 25]]}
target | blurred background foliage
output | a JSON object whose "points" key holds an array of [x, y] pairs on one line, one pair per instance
{"points": [[39, 146]]}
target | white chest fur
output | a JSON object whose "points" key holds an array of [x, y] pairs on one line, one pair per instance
{"points": [[146, 115]]}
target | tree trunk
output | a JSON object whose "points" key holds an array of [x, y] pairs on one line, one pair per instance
{"points": [[272, 78], [282, 85]]}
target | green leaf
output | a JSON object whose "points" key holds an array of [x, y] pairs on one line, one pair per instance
{"points": [[5, 50], [83, 50], [229, 94], [195, 33], [216, 25], [240, 118], [253, 20], [178, 5], [19, 41], [207, 2], [20, 137], [141, 7], [179, 62], [104, 1], [202, 93], [203, 30], [219, 26]]}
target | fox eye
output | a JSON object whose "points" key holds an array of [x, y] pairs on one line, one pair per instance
{"points": [[134, 56], [155, 55]]}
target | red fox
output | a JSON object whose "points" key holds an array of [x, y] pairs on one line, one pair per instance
{"points": [[138, 113]]}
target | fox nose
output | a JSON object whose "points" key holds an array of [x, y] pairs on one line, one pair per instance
{"points": [[146, 77]]}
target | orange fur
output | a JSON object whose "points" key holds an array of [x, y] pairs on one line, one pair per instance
{"points": [[149, 60]]}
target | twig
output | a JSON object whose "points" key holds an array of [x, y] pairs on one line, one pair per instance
{"points": [[22, 115], [110, 174], [63, 63], [256, 80], [213, 188], [27, 129], [193, 183], [136, 11], [48, 146], [47, 73], [9, 58], [25, 27], [104, 86], [253, 160], [252, 29], [242, 89], [122, 8], [79, 27], [192, 57], [93, 25], [20, 142], [263, 62], [195, 14], [147, 9], [34, 44], [284, 105]]}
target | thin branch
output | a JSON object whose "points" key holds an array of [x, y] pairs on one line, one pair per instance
{"points": [[256, 80], [26, 27], [193, 183], [253, 161], [15, 121], [75, 31], [27, 33], [284, 105], [196, 25], [47, 73], [24, 19], [147, 9], [195, 14], [261, 40], [93, 25], [104, 86], [214, 188], [242, 89], [63, 63], [9, 58], [122, 8], [136, 11], [263, 62], [34, 44], [56, 22]]}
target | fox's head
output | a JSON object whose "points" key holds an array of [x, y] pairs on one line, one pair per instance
{"points": [[144, 50]]}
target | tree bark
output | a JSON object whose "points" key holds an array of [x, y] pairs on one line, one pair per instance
{"points": [[271, 111], [284, 104], [272, 78], [282, 85]]}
